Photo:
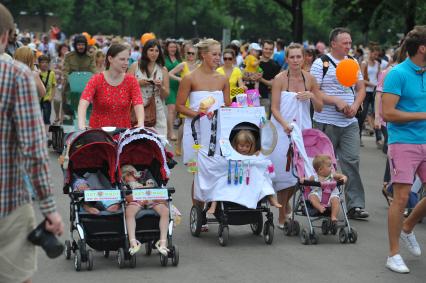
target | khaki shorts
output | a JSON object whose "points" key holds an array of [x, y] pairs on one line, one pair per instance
{"points": [[17, 254]]}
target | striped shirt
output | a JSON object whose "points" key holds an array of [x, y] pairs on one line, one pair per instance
{"points": [[330, 86], [22, 141]]}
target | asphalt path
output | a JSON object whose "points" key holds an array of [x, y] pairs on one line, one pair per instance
{"points": [[247, 258]]}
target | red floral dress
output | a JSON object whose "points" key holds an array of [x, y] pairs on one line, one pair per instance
{"points": [[112, 104]]}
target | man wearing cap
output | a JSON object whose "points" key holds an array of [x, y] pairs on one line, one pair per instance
{"points": [[269, 70], [77, 61]]}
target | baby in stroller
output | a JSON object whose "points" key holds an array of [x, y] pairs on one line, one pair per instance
{"points": [[244, 143], [80, 185], [132, 178], [323, 167]]}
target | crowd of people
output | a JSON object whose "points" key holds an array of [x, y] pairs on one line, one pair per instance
{"points": [[160, 84]]}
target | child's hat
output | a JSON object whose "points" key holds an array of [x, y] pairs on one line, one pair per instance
{"points": [[254, 46]]}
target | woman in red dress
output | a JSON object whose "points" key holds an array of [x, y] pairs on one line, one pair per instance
{"points": [[113, 93]]}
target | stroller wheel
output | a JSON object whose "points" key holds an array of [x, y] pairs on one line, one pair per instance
{"points": [[195, 220], [89, 260], [223, 235], [325, 225], [258, 226], [67, 250], [353, 236], [268, 233], [304, 237], [120, 258], [343, 235], [163, 260], [132, 261], [106, 254], [175, 257], [288, 227], [314, 238], [296, 228], [148, 248], [77, 260]]}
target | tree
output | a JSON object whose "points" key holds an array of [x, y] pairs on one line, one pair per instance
{"points": [[296, 11]]}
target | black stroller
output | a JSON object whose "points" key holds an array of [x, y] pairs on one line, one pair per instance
{"points": [[229, 213]]}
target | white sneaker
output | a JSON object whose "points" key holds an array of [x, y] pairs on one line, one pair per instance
{"points": [[396, 264], [410, 242]]}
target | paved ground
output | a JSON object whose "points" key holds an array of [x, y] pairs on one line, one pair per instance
{"points": [[247, 258]]}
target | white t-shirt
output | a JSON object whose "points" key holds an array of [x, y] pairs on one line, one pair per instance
{"points": [[331, 86]]}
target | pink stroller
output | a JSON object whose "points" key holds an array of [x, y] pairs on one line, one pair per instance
{"points": [[315, 142]]}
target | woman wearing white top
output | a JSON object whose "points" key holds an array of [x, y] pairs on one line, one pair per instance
{"points": [[292, 92], [201, 83], [154, 80]]}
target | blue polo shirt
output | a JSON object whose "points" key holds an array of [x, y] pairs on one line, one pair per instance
{"points": [[403, 81]]}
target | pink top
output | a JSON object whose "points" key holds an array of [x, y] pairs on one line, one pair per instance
{"points": [[112, 104], [379, 88]]}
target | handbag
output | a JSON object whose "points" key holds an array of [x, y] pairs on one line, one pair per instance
{"points": [[150, 112]]}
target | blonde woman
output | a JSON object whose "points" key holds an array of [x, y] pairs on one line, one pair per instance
{"points": [[26, 55]]}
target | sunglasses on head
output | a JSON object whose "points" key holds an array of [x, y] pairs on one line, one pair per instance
{"points": [[190, 53]]}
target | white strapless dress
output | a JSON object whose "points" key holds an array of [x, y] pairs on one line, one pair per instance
{"points": [[203, 128], [292, 110]]}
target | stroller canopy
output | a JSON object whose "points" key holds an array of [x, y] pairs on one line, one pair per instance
{"points": [[91, 149], [140, 147]]}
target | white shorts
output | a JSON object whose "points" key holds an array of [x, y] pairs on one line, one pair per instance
{"points": [[318, 192]]}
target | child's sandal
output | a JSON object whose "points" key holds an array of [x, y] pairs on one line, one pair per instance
{"points": [[135, 249], [162, 249]]}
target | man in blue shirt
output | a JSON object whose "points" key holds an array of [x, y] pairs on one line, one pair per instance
{"points": [[404, 107]]}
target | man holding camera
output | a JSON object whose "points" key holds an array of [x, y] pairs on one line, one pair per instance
{"points": [[23, 152]]}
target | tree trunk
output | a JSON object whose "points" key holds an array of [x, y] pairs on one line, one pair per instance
{"points": [[410, 15], [297, 21]]}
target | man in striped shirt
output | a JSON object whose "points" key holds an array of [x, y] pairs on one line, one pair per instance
{"points": [[23, 152], [337, 118]]}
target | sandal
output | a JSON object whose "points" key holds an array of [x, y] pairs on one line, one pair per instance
{"points": [[386, 194], [162, 249], [205, 228], [135, 249]]}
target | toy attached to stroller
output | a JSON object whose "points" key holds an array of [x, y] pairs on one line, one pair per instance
{"points": [[302, 151], [238, 183]]}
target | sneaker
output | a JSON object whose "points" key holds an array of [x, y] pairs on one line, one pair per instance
{"points": [[357, 213], [410, 242], [396, 264]]}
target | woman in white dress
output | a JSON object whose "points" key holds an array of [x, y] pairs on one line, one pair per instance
{"points": [[201, 83], [292, 92], [153, 79]]}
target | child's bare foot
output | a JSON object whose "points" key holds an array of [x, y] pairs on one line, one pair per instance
{"points": [[275, 203], [322, 209], [91, 210], [113, 208]]}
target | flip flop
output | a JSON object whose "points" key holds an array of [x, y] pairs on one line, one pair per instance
{"points": [[162, 250], [135, 249]]}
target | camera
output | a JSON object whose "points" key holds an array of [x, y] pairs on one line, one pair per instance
{"points": [[50, 244]]}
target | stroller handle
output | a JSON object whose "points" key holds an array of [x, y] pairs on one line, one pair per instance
{"points": [[318, 184], [194, 131]]}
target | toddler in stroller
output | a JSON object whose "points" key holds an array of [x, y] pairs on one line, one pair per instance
{"points": [[131, 177], [322, 199], [244, 143]]}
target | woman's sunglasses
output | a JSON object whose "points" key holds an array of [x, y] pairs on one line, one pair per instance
{"points": [[228, 58], [190, 53]]}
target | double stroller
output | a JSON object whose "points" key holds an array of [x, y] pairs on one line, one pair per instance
{"points": [[229, 212], [314, 142], [96, 153]]}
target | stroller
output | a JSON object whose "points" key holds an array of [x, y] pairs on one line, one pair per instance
{"points": [[77, 83], [92, 151], [231, 213], [144, 150], [315, 142]]}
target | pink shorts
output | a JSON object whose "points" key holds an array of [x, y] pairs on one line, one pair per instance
{"points": [[407, 160]]}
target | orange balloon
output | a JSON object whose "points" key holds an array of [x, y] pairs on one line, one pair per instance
{"points": [[86, 35], [91, 41], [147, 36], [347, 72]]}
